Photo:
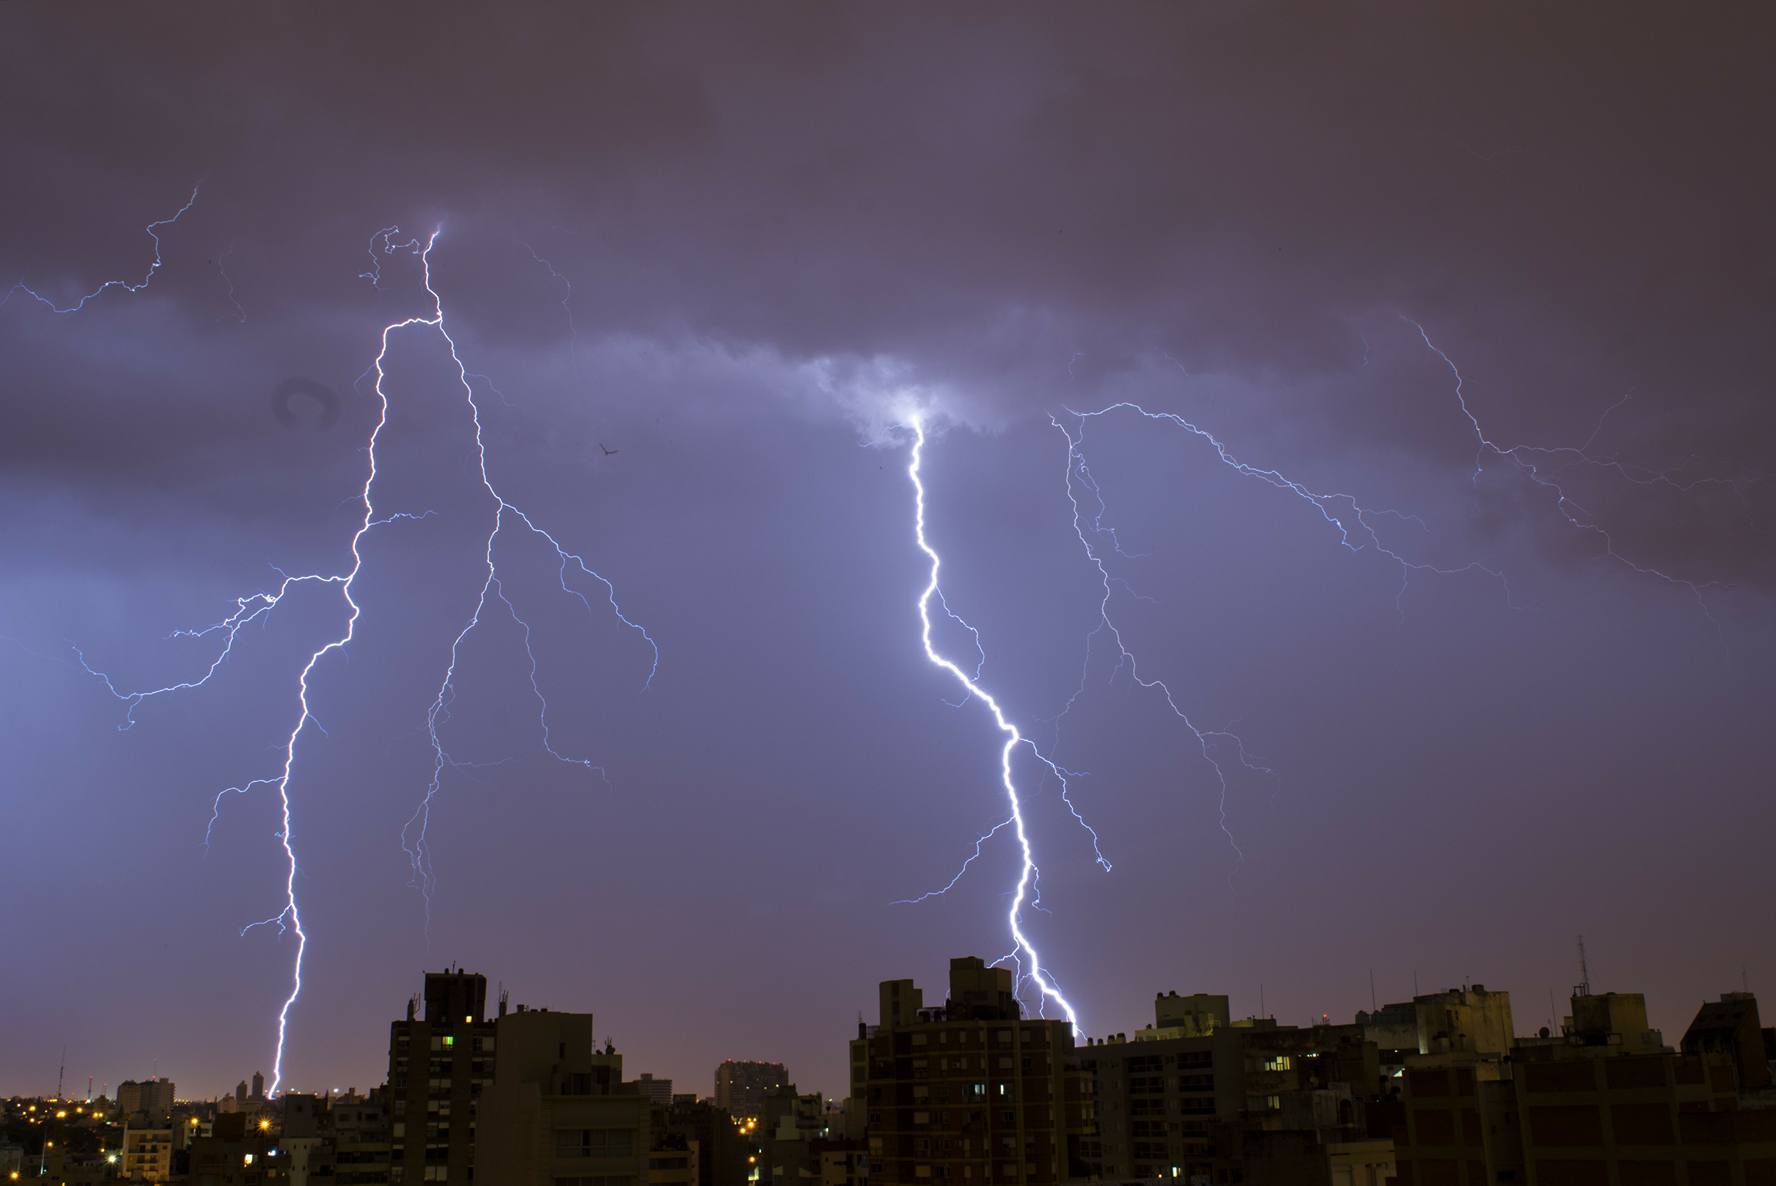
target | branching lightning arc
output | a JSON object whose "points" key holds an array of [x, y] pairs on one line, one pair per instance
{"points": [[1024, 952], [1529, 461], [572, 567], [1355, 524]]}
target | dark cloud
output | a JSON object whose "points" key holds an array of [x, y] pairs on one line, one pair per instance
{"points": [[783, 225]]}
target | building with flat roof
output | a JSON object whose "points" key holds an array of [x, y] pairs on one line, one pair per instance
{"points": [[147, 1153], [1604, 1102], [1731, 1026], [972, 1092], [657, 1091], [1247, 1100], [558, 1111], [147, 1103], [741, 1086], [439, 1063]]}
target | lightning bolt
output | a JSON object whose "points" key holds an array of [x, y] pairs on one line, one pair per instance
{"points": [[1529, 460], [132, 286], [255, 607], [414, 834], [1078, 471], [1023, 951], [567, 296], [240, 310], [1353, 521]]}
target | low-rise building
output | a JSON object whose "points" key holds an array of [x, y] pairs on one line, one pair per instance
{"points": [[147, 1154], [1605, 1103]]}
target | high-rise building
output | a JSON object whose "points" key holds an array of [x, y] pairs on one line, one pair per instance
{"points": [[1268, 1102], [439, 1062], [558, 1112], [658, 1092], [970, 1092], [148, 1103], [258, 1085], [741, 1087]]}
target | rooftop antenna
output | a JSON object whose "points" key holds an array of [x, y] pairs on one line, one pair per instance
{"points": [[1373, 1007], [62, 1073], [1261, 1011], [1583, 988]]}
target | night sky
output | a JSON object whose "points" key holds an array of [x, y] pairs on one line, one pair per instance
{"points": [[784, 226]]}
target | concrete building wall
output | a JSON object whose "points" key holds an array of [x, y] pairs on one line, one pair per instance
{"points": [[972, 1091], [741, 1087], [557, 1111], [1471, 1020], [148, 1153], [439, 1063], [1195, 1016]]}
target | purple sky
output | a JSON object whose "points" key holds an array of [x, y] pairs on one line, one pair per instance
{"points": [[782, 226]]}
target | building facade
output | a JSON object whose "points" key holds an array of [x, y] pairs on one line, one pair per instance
{"points": [[1243, 1101], [148, 1153], [558, 1112], [741, 1087], [147, 1103], [1605, 1103], [972, 1092], [439, 1063]]}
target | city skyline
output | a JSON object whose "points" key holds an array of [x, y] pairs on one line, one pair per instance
{"points": [[1443, 1086], [1346, 442], [1532, 1012]]}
